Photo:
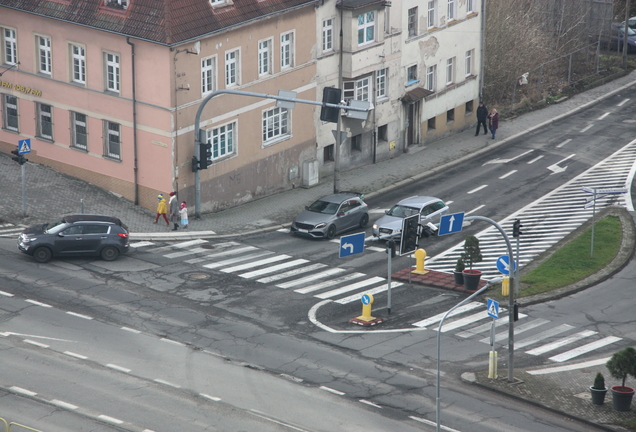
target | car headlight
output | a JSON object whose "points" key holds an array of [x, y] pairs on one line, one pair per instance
{"points": [[375, 226], [320, 225], [28, 240]]}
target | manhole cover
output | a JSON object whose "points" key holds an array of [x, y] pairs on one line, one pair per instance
{"points": [[207, 246], [197, 276]]}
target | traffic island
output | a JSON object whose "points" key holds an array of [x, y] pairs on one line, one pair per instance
{"points": [[433, 278]]}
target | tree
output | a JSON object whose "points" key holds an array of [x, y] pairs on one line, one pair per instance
{"points": [[623, 363], [472, 252]]}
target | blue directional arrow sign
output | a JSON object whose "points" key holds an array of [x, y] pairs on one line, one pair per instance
{"points": [[493, 308], [24, 146], [503, 264], [451, 223], [351, 244]]}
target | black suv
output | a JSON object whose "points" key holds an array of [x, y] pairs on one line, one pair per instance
{"points": [[81, 234]]}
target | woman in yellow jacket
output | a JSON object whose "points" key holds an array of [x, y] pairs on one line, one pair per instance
{"points": [[162, 209]]}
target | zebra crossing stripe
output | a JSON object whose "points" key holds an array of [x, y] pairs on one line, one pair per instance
{"points": [[238, 259], [185, 253], [310, 278], [520, 329], [329, 283], [272, 269], [181, 245], [467, 320], [437, 318], [585, 348], [141, 244], [543, 335], [561, 342], [224, 253], [258, 263], [291, 273], [485, 327], [374, 291], [349, 288]]}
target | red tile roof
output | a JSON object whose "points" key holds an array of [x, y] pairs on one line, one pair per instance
{"points": [[163, 21]]}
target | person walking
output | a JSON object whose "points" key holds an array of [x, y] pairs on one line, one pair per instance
{"points": [[482, 116], [184, 214], [162, 209], [493, 122], [174, 210]]}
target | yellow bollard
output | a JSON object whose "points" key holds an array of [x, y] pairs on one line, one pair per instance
{"points": [[492, 365], [367, 301], [420, 256], [505, 285]]}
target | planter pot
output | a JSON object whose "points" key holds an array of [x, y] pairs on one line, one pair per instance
{"points": [[622, 397], [471, 279], [459, 278], [598, 395]]}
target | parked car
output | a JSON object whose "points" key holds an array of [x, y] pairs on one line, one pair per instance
{"points": [[82, 235], [429, 208], [614, 40], [332, 215]]}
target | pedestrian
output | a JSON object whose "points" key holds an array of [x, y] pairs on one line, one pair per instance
{"points": [[184, 214], [162, 209], [493, 122], [174, 210], [482, 116]]}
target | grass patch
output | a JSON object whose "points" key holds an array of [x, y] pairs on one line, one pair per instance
{"points": [[628, 424], [572, 262]]}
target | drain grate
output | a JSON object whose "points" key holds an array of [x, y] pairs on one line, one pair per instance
{"points": [[206, 246]]}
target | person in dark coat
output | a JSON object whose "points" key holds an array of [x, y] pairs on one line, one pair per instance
{"points": [[482, 116], [493, 120], [174, 210]]}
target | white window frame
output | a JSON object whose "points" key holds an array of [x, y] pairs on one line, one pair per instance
{"points": [[9, 46], [327, 35], [450, 71], [217, 2], [10, 103], [366, 22], [208, 75], [276, 125], [412, 70], [381, 83], [232, 68], [431, 14], [44, 116], [358, 89], [112, 137], [112, 72], [287, 50], [78, 64], [469, 62], [223, 141], [122, 3], [470, 6], [76, 131], [265, 57], [45, 64], [450, 11], [412, 21], [431, 78]]}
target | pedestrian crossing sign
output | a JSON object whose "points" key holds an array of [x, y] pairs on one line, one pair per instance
{"points": [[493, 308], [24, 146]]}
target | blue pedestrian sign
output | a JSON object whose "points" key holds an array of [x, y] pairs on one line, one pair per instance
{"points": [[24, 146], [351, 244], [451, 223], [493, 308], [503, 265]]}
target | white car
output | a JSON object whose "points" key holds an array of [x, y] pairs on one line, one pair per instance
{"points": [[429, 208]]}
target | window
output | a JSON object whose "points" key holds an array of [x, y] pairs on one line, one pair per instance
{"points": [[112, 142], [264, 57], [287, 50], [327, 35], [10, 46], [470, 6], [431, 78], [44, 58], [328, 153], [208, 78], [274, 124], [468, 109], [431, 20], [79, 132], [358, 90], [381, 83], [231, 68], [222, 140], [216, 2], [450, 70], [451, 10], [431, 124], [112, 72], [117, 4], [450, 115], [383, 133], [44, 121], [79, 64], [411, 75], [10, 111], [366, 26], [469, 62], [356, 143], [412, 22]]}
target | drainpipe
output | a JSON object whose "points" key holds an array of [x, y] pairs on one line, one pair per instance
{"points": [[134, 101], [483, 50]]}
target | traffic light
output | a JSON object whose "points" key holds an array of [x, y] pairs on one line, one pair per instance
{"points": [[18, 157], [390, 248], [516, 228], [330, 95], [410, 234], [195, 164], [205, 155], [515, 312]]}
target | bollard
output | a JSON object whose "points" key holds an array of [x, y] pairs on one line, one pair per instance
{"points": [[492, 365], [505, 285], [420, 256], [366, 319]]}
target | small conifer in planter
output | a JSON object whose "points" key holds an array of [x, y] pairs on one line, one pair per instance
{"points": [[470, 256], [459, 268], [598, 390]]}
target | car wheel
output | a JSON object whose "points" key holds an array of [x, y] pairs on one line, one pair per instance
{"points": [[331, 231], [42, 254], [364, 220], [109, 253]]}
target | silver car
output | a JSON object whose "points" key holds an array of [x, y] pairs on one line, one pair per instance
{"points": [[332, 215], [429, 208]]}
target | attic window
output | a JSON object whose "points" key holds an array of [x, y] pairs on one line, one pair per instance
{"points": [[217, 2], [116, 4]]}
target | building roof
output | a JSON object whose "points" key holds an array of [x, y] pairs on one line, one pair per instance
{"points": [[168, 22]]}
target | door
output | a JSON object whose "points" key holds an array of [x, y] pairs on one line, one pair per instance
{"points": [[69, 241]]}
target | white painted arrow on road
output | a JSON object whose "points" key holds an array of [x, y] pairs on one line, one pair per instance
{"points": [[556, 168], [502, 161]]}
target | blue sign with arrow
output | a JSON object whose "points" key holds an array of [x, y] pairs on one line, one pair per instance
{"points": [[351, 244], [451, 223], [24, 146], [503, 265]]}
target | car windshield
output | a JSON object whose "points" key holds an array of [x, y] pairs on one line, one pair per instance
{"points": [[402, 211], [323, 207], [630, 31], [54, 227]]}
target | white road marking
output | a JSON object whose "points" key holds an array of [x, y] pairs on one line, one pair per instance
{"points": [[566, 368], [564, 143], [561, 342], [585, 349], [329, 283], [272, 269], [291, 273], [586, 128], [349, 288], [507, 174], [255, 263], [477, 189], [437, 318], [535, 159], [311, 278]]}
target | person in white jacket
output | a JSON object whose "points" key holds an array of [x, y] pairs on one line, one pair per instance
{"points": [[183, 211]]}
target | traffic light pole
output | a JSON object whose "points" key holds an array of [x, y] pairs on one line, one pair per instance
{"points": [[23, 172]]}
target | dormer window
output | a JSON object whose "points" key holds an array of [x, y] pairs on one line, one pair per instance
{"points": [[117, 4]]}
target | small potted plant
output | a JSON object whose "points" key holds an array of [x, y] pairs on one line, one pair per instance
{"points": [[459, 268], [598, 390], [470, 256], [621, 364]]}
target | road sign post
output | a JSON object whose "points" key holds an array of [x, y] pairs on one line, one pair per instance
{"points": [[24, 147]]}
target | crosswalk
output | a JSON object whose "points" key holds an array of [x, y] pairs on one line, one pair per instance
{"points": [[538, 334], [11, 230]]}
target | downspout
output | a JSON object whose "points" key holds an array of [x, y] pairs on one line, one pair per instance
{"points": [[134, 102], [483, 50]]}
